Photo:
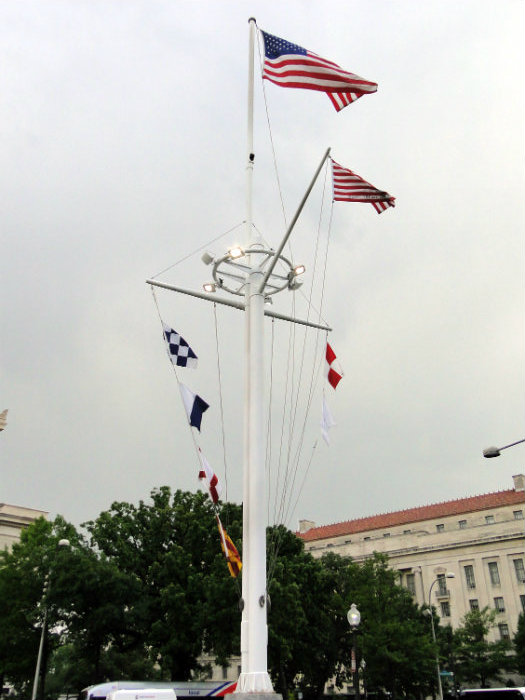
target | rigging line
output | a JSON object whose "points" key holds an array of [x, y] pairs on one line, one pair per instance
{"points": [[269, 428], [315, 372], [265, 100], [300, 443], [290, 377], [195, 445], [280, 534], [283, 423], [314, 447], [293, 464], [214, 240], [225, 462], [310, 300], [271, 544]]}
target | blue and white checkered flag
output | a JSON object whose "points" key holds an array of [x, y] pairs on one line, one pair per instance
{"points": [[179, 351]]}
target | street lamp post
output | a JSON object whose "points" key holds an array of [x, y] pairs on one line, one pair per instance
{"points": [[354, 618], [449, 574], [61, 543], [496, 451]]}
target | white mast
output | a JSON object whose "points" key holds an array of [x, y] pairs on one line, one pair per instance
{"points": [[254, 676], [250, 274]]}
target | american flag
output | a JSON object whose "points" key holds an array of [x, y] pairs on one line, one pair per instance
{"points": [[349, 187], [289, 65]]}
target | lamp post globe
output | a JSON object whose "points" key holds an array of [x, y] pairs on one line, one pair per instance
{"points": [[354, 619]]}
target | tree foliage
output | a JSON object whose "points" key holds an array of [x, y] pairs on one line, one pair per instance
{"points": [[477, 659], [145, 591]]}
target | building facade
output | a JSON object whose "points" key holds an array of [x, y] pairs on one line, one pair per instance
{"points": [[13, 519], [480, 540]]}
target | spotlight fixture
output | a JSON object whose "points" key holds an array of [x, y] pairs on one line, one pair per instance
{"points": [[207, 258], [209, 287], [299, 270], [235, 252]]}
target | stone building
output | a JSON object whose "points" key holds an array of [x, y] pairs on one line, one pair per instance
{"points": [[13, 519], [479, 539]]}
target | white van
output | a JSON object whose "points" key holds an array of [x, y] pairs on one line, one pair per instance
{"points": [[142, 694]]}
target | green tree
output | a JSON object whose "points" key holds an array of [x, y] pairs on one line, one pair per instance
{"points": [[185, 601], [29, 576], [299, 622], [477, 659], [519, 645]]}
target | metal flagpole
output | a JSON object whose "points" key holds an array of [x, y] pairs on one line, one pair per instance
{"points": [[244, 273], [254, 676]]}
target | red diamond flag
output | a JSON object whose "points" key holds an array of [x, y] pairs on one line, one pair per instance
{"points": [[333, 377]]}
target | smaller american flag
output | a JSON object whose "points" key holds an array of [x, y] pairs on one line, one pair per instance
{"points": [[349, 187], [289, 65]]}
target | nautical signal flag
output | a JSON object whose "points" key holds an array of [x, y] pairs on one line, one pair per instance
{"points": [[289, 65], [349, 187], [207, 474], [333, 377], [327, 422], [194, 405], [179, 351], [230, 551]]}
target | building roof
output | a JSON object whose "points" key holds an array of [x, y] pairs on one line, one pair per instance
{"points": [[460, 506]]}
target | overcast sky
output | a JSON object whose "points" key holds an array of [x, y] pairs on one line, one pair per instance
{"points": [[123, 141]]}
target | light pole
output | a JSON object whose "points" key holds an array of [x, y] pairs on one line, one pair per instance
{"points": [[496, 451], [449, 574], [354, 618], [61, 543]]}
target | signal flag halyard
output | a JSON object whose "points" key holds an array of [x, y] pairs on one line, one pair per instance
{"points": [[289, 65]]}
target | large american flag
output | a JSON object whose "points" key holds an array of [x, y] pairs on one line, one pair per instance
{"points": [[289, 65], [349, 187]]}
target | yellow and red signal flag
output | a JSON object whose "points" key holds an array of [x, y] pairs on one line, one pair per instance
{"points": [[230, 551]]}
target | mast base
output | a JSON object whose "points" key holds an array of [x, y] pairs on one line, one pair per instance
{"points": [[257, 685]]}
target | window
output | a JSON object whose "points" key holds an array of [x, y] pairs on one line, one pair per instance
{"points": [[503, 630], [494, 573], [366, 538], [474, 604], [520, 570], [462, 524], [406, 532], [489, 519], [411, 583], [518, 514], [469, 576], [224, 673], [445, 609], [522, 601], [386, 534], [440, 527], [499, 604], [442, 584]]}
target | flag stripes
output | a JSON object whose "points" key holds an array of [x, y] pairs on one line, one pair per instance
{"points": [[289, 65], [349, 187]]}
